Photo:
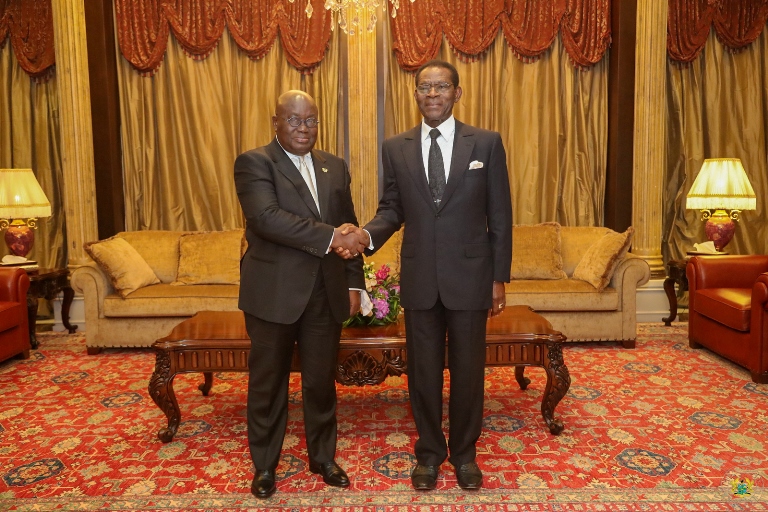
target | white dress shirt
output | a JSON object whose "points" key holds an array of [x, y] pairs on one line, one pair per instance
{"points": [[445, 141]]}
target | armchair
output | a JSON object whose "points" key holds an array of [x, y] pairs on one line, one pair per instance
{"points": [[14, 320], [728, 309]]}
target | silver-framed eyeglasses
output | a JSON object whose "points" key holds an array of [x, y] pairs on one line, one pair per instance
{"points": [[309, 122], [439, 87]]}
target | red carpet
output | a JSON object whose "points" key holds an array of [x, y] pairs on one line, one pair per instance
{"points": [[660, 427]]}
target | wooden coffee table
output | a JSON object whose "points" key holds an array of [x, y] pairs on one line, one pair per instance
{"points": [[216, 341]]}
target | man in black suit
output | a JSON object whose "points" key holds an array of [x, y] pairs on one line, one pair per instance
{"points": [[294, 288], [447, 183]]}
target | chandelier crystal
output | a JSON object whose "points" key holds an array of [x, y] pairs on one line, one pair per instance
{"points": [[340, 8]]}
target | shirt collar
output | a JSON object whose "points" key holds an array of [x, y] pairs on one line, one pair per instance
{"points": [[447, 128], [294, 157]]}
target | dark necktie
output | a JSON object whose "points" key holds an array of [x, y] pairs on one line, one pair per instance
{"points": [[436, 169]]}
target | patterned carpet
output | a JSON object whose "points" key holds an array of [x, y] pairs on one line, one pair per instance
{"points": [[660, 427]]}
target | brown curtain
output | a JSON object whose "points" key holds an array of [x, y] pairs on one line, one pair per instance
{"points": [[143, 27], [717, 107], [29, 26], [552, 118], [183, 127], [737, 24], [529, 28], [29, 138]]}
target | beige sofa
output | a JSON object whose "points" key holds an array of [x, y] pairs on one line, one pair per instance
{"points": [[195, 272], [576, 307], [151, 311]]}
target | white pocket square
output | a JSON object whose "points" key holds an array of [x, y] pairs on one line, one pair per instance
{"points": [[476, 164]]}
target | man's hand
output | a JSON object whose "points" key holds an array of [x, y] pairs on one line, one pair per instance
{"points": [[346, 241], [498, 299], [349, 241], [354, 302]]}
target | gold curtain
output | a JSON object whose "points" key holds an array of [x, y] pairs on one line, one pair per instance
{"points": [[552, 117], [29, 138], [717, 107], [183, 127]]}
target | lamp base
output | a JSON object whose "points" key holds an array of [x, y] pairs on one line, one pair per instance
{"points": [[19, 237], [720, 229]]}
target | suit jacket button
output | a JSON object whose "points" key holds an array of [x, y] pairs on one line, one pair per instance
{"points": [[314, 274]]}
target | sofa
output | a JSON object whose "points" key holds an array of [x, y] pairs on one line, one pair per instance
{"points": [[728, 309], [14, 315], [582, 279], [143, 283]]}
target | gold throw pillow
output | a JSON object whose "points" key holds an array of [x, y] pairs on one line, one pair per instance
{"points": [[124, 266], [598, 263], [536, 252], [210, 257]]}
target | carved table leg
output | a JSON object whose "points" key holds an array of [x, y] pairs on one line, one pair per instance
{"points": [[69, 294], [32, 318], [669, 289], [161, 391], [558, 382], [521, 378], [206, 386]]}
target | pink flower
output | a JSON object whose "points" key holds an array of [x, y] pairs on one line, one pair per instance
{"points": [[382, 274], [381, 307]]}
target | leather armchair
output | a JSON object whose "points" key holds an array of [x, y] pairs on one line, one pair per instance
{"points": [[728, 309], [14, 319]]}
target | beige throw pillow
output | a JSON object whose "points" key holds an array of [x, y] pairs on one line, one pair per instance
{"points": [[124, 266], [536, 252], [598, 263], [210, 257]]}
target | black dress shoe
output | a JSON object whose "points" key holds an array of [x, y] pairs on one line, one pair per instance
{"points": [[424, 478], [469, 476], [263, 485], [332, 473]]}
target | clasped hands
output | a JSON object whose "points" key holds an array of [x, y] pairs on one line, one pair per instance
{"points": [[349, 241]]}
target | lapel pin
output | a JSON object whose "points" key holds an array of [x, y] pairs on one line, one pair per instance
{"points": [[325, 169]]}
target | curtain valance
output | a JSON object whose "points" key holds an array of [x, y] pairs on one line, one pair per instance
{"points": [[737, 24], [529, 27], [143, 27], [29, 25]]}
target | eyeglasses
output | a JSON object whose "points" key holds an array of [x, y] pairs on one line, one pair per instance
{"points": [[440, 87], [309, 122]]}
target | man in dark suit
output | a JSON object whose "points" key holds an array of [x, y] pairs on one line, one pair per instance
{"points": [[294, 288], [447, 183]]}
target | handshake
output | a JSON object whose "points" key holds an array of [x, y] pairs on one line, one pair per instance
{"points": [[349, 241]]}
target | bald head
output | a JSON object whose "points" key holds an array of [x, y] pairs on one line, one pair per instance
{"points": [[295, 106]]}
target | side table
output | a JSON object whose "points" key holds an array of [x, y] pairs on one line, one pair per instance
{"points": [[676, 272], [46, 283]]}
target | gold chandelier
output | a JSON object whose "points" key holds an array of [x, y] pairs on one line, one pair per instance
{"points": [[340, 8]]}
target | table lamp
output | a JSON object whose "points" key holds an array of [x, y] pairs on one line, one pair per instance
{"points": [[22, 202], [721, 185]]}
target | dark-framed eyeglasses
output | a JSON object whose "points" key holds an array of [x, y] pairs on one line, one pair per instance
{"points": [[309, 122], [439, 87]]}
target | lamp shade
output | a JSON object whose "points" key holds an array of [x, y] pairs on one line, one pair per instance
{"points": [[21, 196], [721, 184]]}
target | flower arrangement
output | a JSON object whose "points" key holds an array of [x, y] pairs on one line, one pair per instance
{"points": [[383, 288]]}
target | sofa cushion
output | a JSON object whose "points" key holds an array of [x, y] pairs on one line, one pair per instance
{"points": [[210, 257], [160, 249], [598, 263], [536, 252], [125, 267], [575, 241], [166, 300], [561, 295], [10, 314], [729, 306]]}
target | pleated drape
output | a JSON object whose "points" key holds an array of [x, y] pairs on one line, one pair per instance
{"points": [[183, 127], [717, 107], [29, 138], [552, 118]]}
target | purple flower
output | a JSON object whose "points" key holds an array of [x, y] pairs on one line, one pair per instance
{"points": [[381, 307]]}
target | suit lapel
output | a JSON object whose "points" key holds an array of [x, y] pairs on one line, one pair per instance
{"points": [[463, 143], [286, 166], [323, 181], [415, 162]]}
